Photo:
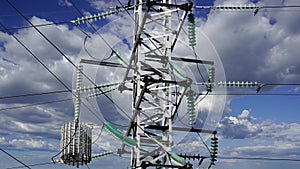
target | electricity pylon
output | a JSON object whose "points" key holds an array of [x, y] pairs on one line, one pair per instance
{"points": [[156, 95]]}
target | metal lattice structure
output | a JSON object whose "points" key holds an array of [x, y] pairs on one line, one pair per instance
{"points": [[156, 95]]}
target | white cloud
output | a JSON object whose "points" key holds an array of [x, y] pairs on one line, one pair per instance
{"points": [[2, 140], [251, 48], [31, 144], [246, 116], [244, 126], [103, 4], [240, 127], [64, 3]]}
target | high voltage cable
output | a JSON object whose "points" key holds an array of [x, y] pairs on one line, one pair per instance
{"points": [[31, 165], [87, 166], [281, 6], [50, 70], [219, 157], [32, 54], [92, 26], [47, 39], [112, 50], [33, 94], [245, 7], [66, 91], [252, 94], [76, 67], [259, 158], [15, 158], [35, 104], [37, 25], [196, 7], [28, 50], [265, 84]]}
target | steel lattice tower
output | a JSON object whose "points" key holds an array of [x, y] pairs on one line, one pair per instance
{"points": [[156, 93], [155, 101]]}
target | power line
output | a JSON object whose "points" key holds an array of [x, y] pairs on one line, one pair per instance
{"points": [[64, 57], [259, 158], [252, 94], [87, 166], [35, 104], [34, 94], [32, 54], [280, 6], [249, 158], [15, 158], [38, 25], [92, 26], [52, 44], [31, 165], [119, 107], [242, 8], [197, 7], [28, 50]]}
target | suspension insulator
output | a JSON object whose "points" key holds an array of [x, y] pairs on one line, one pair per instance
{"points": [[214, 150], [78, 92], [236, 8], [238, 84], [95, 17], [191, 29], [211, 79], [105, 154], [191, 107]]}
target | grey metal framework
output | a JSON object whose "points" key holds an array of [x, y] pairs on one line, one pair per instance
{"points": [[156, 95]]}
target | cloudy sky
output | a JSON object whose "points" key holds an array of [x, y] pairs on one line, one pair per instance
{"points": [[262, 48]]}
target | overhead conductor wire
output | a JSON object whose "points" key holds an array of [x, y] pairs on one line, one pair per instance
{"points": [[35, 104], [15, 158], [197, 65], [46, 38], [31, 165], [108, 46], [33, 94], [20, 13], [32, 54], [112, 49]]}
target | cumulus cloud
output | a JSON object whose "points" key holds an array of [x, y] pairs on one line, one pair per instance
{"points": [[244, 126], [31, 144], [22, 74], [239, 127], [27, 144], [102, 5], [251, 48], [258, 47]]}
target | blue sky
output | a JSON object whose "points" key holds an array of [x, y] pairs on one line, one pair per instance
{"points": [[262, 48]]}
